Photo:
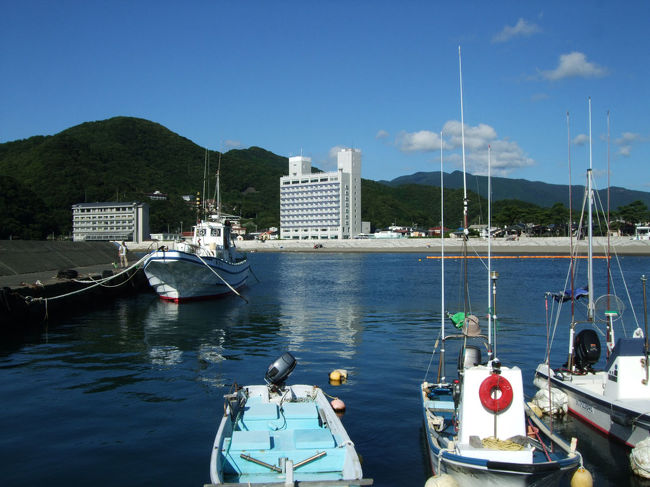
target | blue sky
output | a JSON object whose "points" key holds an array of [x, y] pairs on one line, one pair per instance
{"points": [[307, 76]]}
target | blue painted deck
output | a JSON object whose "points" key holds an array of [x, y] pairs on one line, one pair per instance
{"points": [[267, 432]]}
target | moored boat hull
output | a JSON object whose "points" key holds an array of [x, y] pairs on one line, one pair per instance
{"points": [[181, 276], [484, 467], [269, 437], [611, 418]]}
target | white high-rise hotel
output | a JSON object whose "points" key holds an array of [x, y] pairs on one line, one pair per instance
{"points": [[323, 205]]}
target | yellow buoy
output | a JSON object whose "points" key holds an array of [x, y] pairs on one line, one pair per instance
{"points": [[582, 478], [444, 480], [339, 375]]}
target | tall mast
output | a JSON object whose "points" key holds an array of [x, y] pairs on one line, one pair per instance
{"points": [[590, 266], [441, 368], [218, 198], [608, 216], [465, 211], [489, 223], [205, 175]]}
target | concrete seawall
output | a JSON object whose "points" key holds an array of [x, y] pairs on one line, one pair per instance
{"points": [[26, 256], [33, 290]]}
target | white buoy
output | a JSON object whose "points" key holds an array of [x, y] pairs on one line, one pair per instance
{"points": [[582, 478], [640, 459], [444, 480]]}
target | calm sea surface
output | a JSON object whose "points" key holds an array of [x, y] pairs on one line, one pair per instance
{"points": [[131, 393]]}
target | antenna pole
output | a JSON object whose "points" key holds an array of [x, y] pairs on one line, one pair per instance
{"points": [[571, 253], [494, 275], [465, 210], [609, 275], [489, 237], [441, 365], [590, 264], [645, 319]]}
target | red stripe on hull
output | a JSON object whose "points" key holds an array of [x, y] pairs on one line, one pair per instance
{"points": [[195, 298], [599, 428]]}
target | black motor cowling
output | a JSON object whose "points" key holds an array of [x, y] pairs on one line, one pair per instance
{"points": [[587, 349], [280, 369]]}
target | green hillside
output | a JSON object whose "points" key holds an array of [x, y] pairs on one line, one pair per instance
{"points": [[536, 192], [125, 158]]}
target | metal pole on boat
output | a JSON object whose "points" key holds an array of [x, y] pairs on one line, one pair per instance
{"points": [[465, 206], [590, 266], [489, 237], [645, 319], [571, 254], [494, 275], [441, 364]]}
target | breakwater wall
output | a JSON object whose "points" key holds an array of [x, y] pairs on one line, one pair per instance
{"points": [[25, 256], [43, 280]]}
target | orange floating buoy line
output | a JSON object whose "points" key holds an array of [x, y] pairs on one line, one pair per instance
{"points": [[514, 257]]}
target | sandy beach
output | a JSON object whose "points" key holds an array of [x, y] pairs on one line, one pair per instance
{"points": [[523, 246]]}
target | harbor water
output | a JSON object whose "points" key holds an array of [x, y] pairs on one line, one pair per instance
{"points": [[130, 393]]}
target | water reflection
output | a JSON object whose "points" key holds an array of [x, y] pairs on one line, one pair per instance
{"points": [[321, 305]]}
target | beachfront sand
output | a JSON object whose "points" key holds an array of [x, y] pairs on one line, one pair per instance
{"points": [[522, 246]]}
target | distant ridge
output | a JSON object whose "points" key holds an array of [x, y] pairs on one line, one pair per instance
{"points": [[536, 192], [127, 158]]}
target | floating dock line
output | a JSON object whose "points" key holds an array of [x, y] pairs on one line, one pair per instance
{"points": [[514, 257]]}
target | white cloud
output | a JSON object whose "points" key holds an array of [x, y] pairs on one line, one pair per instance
{"points": [[422, 141], [625, 150], [581, 139], [574, 65], [520, 29], [232, 144], [506, 155], [625, 142], [382, 134], [628, 138], [475, 137]]}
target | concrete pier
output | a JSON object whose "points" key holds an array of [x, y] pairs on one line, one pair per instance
{"points": [[40, 280]]}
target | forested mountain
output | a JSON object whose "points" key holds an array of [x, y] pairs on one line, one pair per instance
{"points": [[536, 192], [125, 158]]}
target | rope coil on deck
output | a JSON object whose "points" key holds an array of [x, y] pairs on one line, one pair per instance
{"points": [[504, 445]]}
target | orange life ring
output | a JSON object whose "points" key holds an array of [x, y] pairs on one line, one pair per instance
{"points": [[488, 386]]}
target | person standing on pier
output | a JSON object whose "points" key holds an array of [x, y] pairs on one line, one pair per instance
{"points": [[124, 262]]}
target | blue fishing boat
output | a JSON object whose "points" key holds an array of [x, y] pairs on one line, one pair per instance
{"points": [[283, 435]]}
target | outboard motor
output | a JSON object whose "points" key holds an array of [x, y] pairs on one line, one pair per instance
{"points": [[587, 349], [280, 369]]}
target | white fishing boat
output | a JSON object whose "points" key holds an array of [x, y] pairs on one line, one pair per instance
{"points": [[478, 428], [206, 267], [283, 435], [613, 398]]}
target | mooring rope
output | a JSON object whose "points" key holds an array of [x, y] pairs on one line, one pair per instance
{"points": [[222, 279]]}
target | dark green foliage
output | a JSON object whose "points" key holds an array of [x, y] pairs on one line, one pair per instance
{"points": [[126, 158], [22, 212], [536, 192]]}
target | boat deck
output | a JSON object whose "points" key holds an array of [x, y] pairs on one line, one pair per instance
{"points": [[269, 432], [440, 405]]}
